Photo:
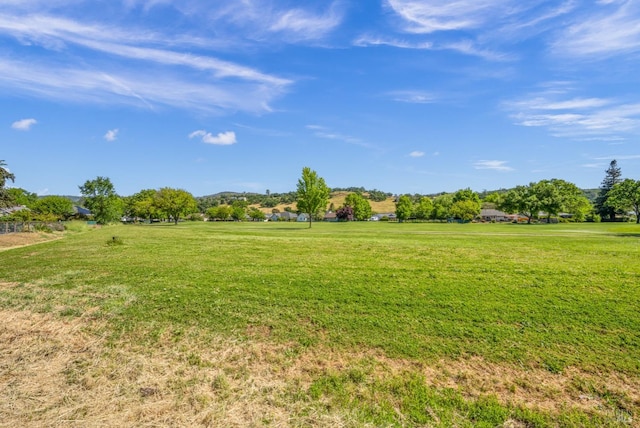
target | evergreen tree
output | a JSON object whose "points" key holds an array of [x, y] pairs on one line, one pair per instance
{"points": [[613, 176]]}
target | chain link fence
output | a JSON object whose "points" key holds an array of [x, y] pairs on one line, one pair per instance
{"points": [[29, 226]]}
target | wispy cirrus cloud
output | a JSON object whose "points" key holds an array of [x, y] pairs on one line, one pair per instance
{"points": [[127, 55], [222, 139], [486, 29], [585, 118], [495, 165], [23, 124], [328, 134], [612, 29], [412, 96], [416, 154]]}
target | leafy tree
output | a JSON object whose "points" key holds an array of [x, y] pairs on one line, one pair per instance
{"points": [[58, 207], [626, 196], [6, 199], [361, 207], [521, 200], [221, 212], [572, 199], [441, 206], [22, 197], [256, 214], [238, 213], [312, 193], [142, 205], [465, 210], [613, 176], [175, 203], [100, 197], [377, 195], [424, 208], [404, 208], [345, 213], [465, 204]]}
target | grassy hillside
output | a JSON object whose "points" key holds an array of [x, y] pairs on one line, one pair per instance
{"points": [[350, 324], [337, 199]]}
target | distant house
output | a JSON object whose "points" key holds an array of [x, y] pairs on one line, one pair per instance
{"points": [[81, 211], [302, 217], [287, 216], [383, 216], [330, 216], [493, 215]]}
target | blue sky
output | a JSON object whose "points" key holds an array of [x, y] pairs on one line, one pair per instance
{"points": [[405, 96]]}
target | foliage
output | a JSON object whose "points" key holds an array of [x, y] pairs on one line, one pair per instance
{"points": [[6, 199], [361, 207], [312, 193], [521, 200], [441, 206], [404, 208], [378, 195], [256, 215], [22, 197], [59, 207], [101, 199], [613, 176], [424, 208], [175, 203], [625, 196], [465, 210], [222, 213], [345, 213], [142, 205], [465, 204]]}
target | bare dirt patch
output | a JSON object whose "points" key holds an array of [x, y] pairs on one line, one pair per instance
{"points": [[13, 240], [64, 372]]}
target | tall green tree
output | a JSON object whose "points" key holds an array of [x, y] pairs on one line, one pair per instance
{"points": [[441, 206], [613, 176], [22, 197], [57, 207], [5, 197], [404, 208], [101, 198], [521, 200], [361, 207], [142, 205], [626, 196], [312, 193], [175, 203], [465, 205], [424, 208]]}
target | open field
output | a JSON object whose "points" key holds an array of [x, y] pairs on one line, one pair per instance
{"points": [[349, 324]]}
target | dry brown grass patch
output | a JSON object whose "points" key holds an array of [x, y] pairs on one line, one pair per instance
{"points": [[14, 240], [63, 372]]}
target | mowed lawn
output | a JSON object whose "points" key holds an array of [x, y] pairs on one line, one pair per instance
{"points": [[362, 324]]}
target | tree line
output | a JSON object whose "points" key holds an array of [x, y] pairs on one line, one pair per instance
{"points": [[616, 197]]}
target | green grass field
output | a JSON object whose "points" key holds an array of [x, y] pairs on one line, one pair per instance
{"points": [[357, 324]]}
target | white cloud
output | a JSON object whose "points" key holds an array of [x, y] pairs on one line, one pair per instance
{"points": [[222, 139], [585, 118], [495, 165], [416, 154], [612, 30], [111, 135], [181, 79], [413, 97], [24, 124]]}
